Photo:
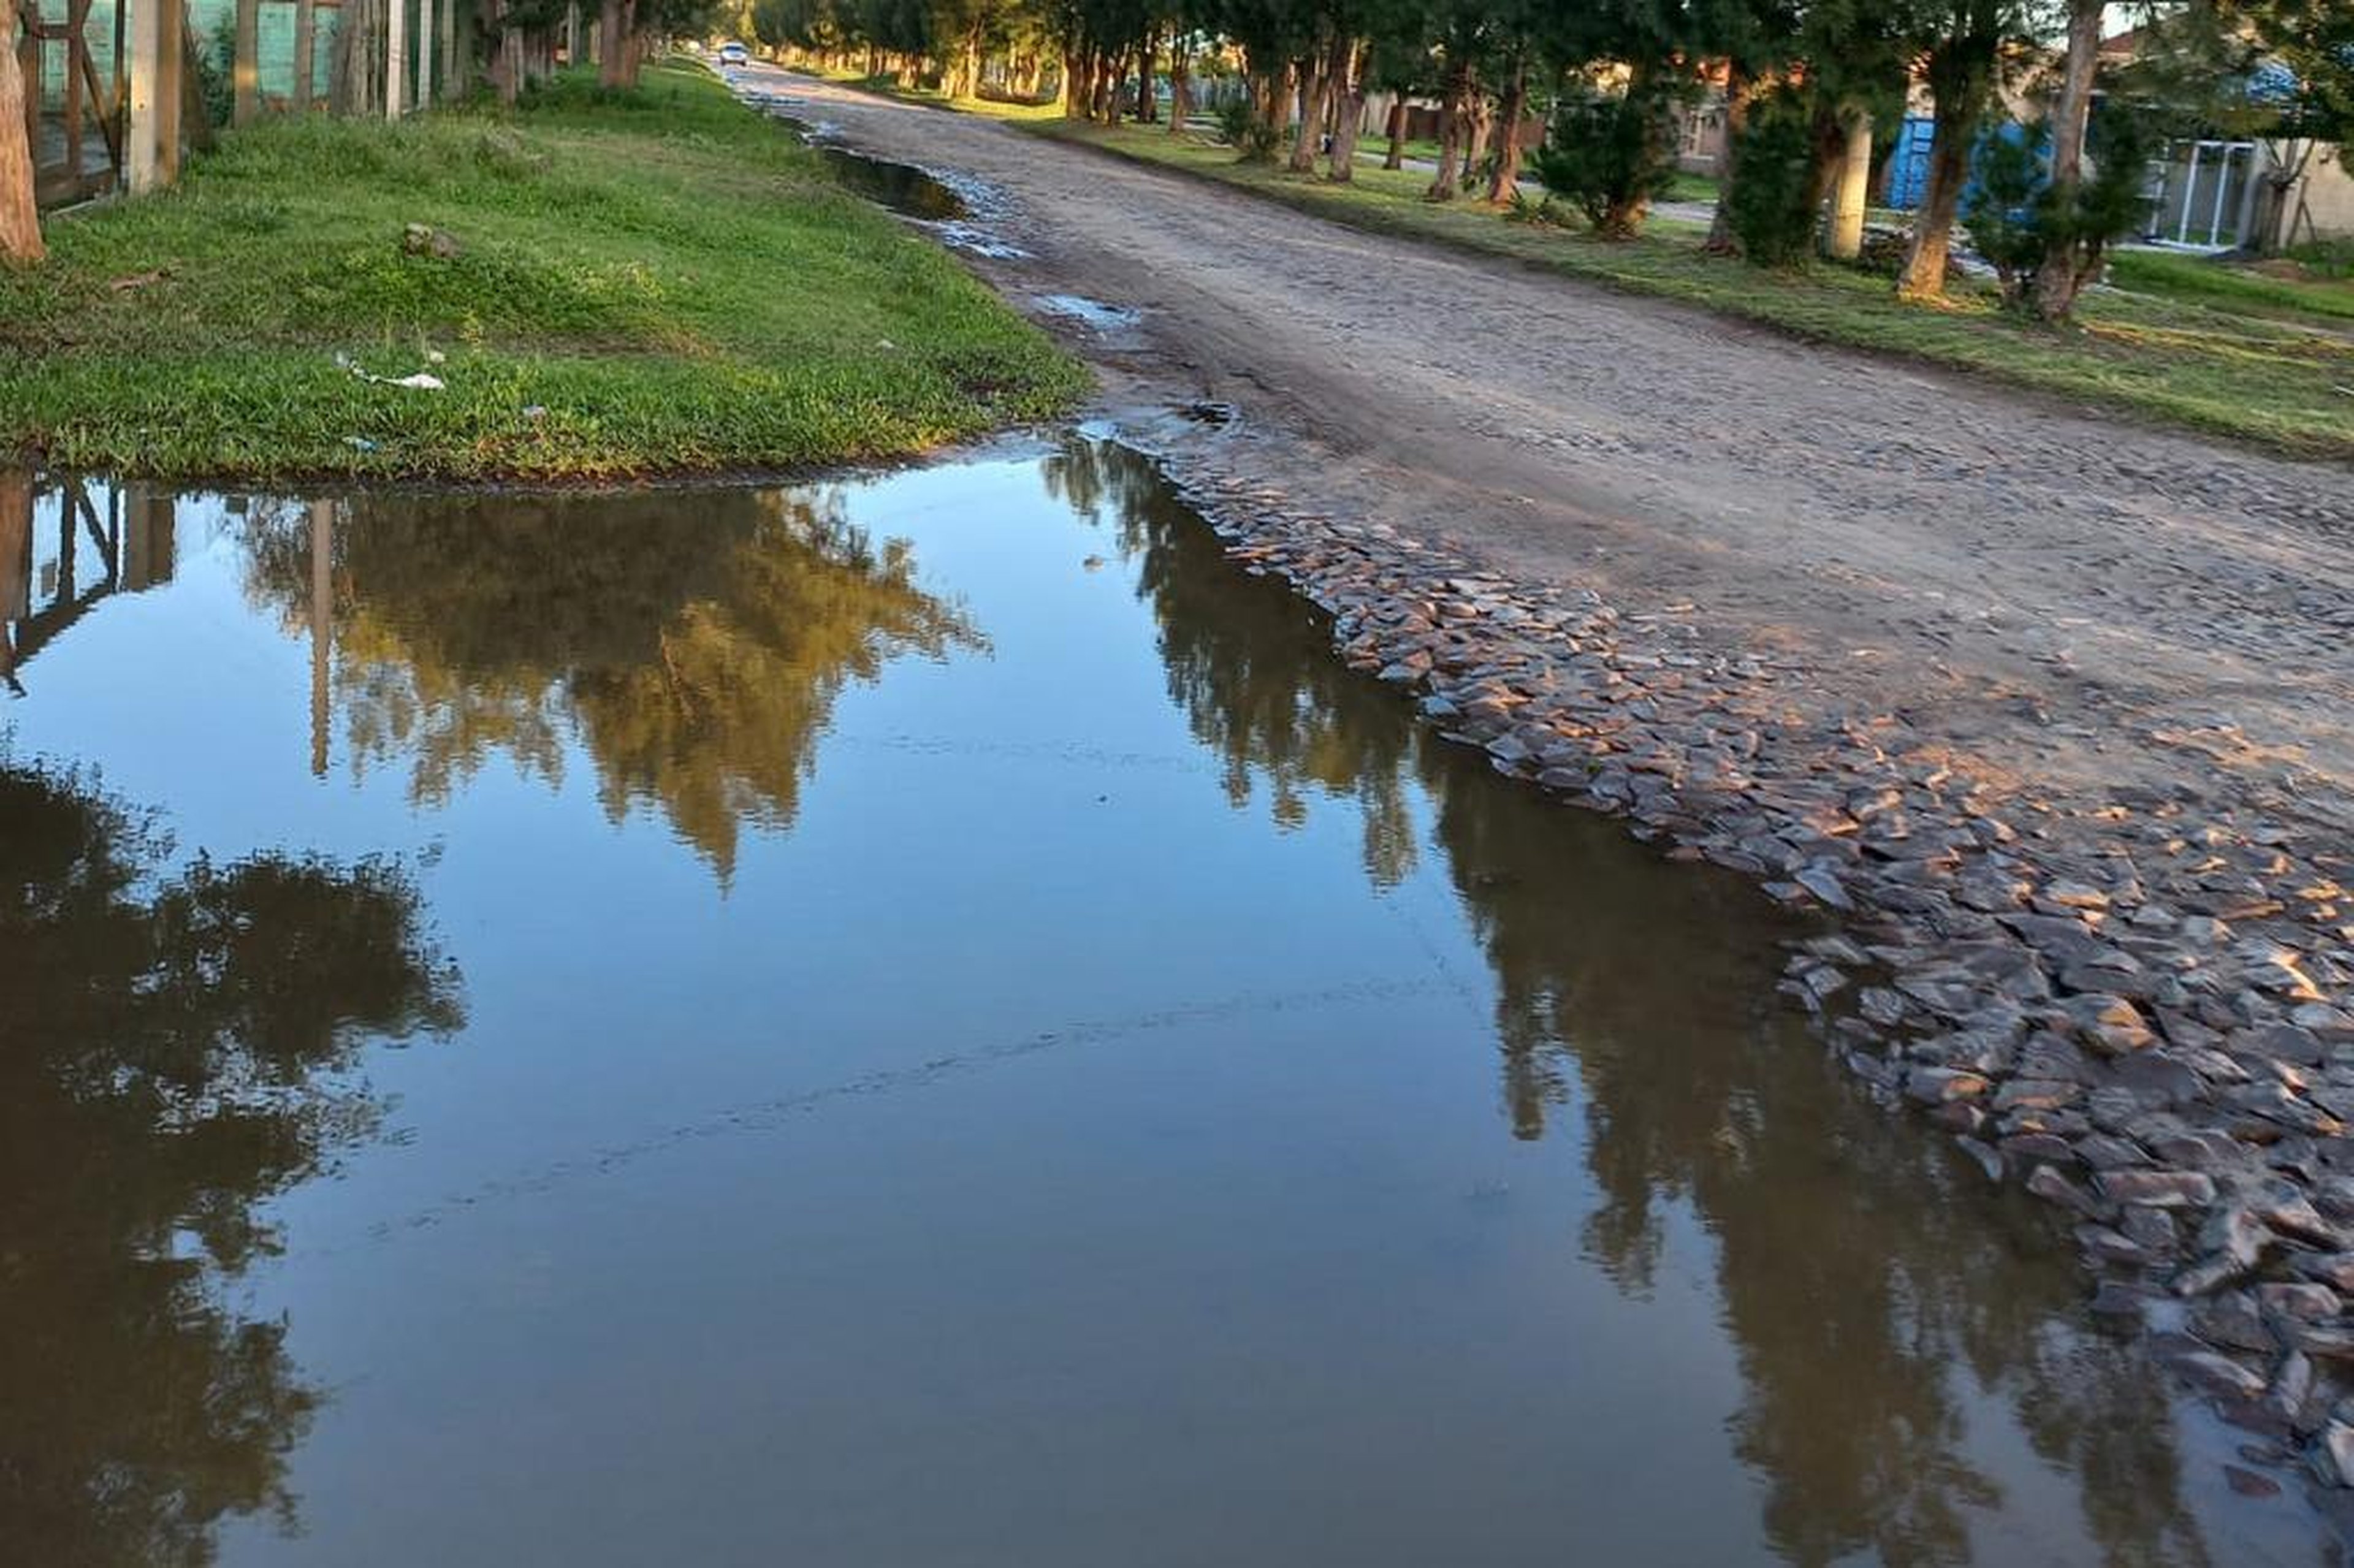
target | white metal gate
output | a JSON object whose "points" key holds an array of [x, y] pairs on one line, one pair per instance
{"points": [[2198, 193]]}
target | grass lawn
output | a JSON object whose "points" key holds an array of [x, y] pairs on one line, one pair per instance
{"points": [[2227, 361], [660, 282], [2234, 287]]}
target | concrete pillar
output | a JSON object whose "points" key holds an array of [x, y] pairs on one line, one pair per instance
{"points": [[1854, 191], [425, 51], [144, 45]]}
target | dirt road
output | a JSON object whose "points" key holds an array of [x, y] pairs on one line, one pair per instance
{"points": [[2041, 588]]}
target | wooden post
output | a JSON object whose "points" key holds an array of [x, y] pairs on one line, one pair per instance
{"points": [[142, 148], [170, 86], [453, 76], [306, 57], [1854, 189], [245, 70], [395, 55]]}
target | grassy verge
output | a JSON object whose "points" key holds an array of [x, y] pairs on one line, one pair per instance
{"points": [[2212, 362], [660, 282], [2236, 287]]}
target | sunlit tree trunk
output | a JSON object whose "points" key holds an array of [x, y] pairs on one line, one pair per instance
{"points": [[1481, 123], [1923, 277], [1347, 71], [1447, 183], [1305, 147], [1505, 183], [20, 224]]}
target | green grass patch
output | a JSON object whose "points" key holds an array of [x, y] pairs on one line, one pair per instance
{"points": [[2212, 362], [652, 283], [2254, 289]]}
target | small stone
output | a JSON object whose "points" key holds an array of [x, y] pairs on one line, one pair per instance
{"points": [[2159, 1189], [2312, 1303], [2219, 1375], [1935, 1086], [2072, 895], [2053, 1187], [2249, 1484], [1988, 1160]]}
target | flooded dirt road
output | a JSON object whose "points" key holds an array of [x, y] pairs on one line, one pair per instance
{"points": [[2039, 589], [928, 1020]]}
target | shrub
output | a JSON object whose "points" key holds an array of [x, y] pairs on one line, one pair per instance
{"points": [[1774, 175], [1607, 156], [2025, 228], [1249, 135]]}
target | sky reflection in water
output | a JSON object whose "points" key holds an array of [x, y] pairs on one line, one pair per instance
{"points": [[927, 1021]]}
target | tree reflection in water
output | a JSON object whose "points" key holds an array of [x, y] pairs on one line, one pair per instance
{"points": [[1248, 664], [1869, 1290], [693, 646], [179, 1048]]}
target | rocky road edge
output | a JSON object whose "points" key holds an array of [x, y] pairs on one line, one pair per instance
{"points": [[2135, 1008]]}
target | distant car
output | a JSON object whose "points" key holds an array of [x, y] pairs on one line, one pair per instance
{"points": [[733, 55]]}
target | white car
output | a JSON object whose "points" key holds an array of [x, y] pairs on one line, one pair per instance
{"points": [[733, 55]]}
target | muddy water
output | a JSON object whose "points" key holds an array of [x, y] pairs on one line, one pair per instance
{"points": [[925, 1021], [902, 187]]}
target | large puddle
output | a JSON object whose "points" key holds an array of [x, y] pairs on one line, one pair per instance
{"points": [[927, 1021]]}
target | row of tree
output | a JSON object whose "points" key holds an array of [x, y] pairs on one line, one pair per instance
{"points": [[1802, 83]]}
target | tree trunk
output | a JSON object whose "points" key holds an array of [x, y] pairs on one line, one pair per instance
{"points": [[1475, 139], [2056, 285], [1506, 183], [1072, 90], [1923, 277], [1107, 93], [20, 225], [1827, 143], [1346, 71], [1148, 103], [1740, 88], [1447, 184], [613, 69], [1395, 157], [1305, 145], [1181, 85], [1854, 190], [1623, 218]]}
